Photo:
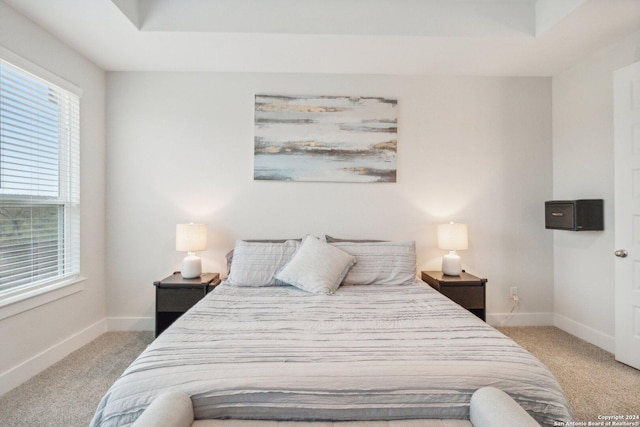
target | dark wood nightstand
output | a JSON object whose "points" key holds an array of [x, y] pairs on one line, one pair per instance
{"points": [[466, 290], [175, 295]]}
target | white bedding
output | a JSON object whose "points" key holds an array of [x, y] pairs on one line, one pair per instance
{"points": [[366, 352]]}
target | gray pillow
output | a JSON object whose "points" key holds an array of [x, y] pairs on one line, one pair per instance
{"points": [[390, 263], [256, 263], [229, 255]]}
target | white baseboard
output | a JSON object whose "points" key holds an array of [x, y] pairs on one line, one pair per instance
{"points": [[520, 319], [131, 323], [587, 333], [15, 376], [584, 332]]}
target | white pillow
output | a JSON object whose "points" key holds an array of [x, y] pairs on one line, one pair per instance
{"points": [[390, 263], [256, 263], [317, 267]]}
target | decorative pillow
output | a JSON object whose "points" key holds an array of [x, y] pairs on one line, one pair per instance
{"points": [[256, 263], [390, 263], [317, 267]]}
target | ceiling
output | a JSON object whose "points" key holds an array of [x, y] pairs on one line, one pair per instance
{"points": [[461, 37]]}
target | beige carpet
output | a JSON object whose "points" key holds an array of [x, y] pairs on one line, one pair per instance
{"points": [[595, 384], [68, 393]]}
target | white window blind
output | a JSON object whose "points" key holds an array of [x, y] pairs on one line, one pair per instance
{"points": [[39, 182]]}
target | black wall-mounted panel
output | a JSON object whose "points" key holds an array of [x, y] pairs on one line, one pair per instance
{"points": [[574, 215]]}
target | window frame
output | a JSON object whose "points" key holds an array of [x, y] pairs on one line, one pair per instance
{"points": [[30, 296]]}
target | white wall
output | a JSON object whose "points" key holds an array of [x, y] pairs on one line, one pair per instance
{"points": [[475, 150], [34, 339], [583, 168]]}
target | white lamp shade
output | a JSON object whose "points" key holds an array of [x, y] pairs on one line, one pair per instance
{"points": [[191, 237], [453, 236]]}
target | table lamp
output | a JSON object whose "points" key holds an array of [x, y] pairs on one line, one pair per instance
{"points": [[452, 237], [191, 238]]}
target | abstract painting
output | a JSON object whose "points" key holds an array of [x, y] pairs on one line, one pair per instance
{"points": [[325, 138]]}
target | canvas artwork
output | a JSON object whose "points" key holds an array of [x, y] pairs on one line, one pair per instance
{"points": [[325, 138]]}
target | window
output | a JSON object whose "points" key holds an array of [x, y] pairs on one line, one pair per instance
{"points": [[39, 179]]}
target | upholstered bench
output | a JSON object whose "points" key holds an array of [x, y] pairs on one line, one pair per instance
{"points": [[489, 407]]}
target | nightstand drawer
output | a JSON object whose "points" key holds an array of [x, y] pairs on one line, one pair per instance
{"points": [[178, 299], [466, 296]]}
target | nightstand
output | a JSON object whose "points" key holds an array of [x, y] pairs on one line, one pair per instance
{"points": [[466, 290], [175, 295]]}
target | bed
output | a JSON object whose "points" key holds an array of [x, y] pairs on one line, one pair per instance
{"points": [[391, 349]]}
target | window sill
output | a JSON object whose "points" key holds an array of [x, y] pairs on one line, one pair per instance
{"points": [[37, 297]]}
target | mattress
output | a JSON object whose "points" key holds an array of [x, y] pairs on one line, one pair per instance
{"points": [[375, 352]]}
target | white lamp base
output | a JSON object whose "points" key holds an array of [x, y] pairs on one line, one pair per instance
{"points": [[191, 266], [452, 264]]}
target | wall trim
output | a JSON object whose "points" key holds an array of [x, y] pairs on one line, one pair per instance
{"points": [[131, 324], [520, 319], [20, 373], [584, 332]]}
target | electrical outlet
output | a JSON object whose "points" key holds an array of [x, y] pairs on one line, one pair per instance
{"points": [[513, 291]]}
